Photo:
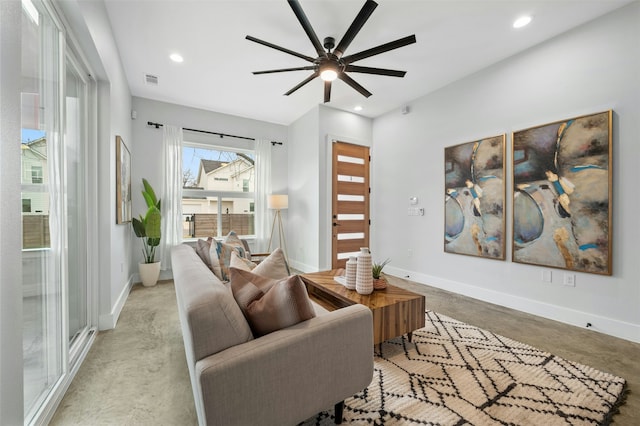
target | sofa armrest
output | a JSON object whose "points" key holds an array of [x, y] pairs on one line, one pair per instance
{"points": [[289, 375]]}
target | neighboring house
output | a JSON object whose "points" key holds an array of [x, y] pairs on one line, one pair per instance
{"points": [[35, 199], [34, 194], [218, 176]]}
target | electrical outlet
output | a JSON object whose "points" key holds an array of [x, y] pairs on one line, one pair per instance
{"points": [[409, 252], [569, 280], [546, 276]]}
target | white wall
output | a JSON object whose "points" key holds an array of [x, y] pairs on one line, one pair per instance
{"points": [[590, 69], [146, 156], [302, 226], [309, 213]]}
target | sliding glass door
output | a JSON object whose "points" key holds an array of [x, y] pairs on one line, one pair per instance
{"points": [[41, 221], [54, 144]]}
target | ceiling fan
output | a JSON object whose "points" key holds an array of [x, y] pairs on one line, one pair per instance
{"points": [[331, 63]]}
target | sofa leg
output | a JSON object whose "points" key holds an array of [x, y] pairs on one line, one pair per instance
{"points": [[339, 408]]}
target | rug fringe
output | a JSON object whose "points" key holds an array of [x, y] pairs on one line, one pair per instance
{"points": [[615, 409]]}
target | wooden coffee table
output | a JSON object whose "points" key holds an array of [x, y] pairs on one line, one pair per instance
{"points": [[396, 311]]}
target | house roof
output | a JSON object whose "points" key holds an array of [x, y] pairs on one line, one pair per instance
{"points": [[211, 165]]}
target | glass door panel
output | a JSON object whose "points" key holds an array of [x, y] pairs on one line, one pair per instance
{"points": [[75, 144], [41, 242]]}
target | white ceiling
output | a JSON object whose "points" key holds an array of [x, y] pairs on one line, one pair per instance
{"points": [[455, 38]]}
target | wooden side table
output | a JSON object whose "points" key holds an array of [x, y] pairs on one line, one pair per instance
{"points": [[396, 311]]}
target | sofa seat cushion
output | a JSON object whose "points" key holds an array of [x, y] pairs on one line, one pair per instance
{"points": [[270, 304]]}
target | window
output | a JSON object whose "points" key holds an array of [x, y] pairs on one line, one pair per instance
{"points": [[36, 174], [218, 190], [26, 205]]}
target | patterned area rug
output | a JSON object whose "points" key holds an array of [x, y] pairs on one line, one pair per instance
{"points": [[453, 373]]}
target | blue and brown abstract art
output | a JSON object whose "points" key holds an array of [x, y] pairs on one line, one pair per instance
{"points": [[474, 198], [562, 194]]}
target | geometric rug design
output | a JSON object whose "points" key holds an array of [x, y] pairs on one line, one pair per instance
{"points": [[453, 373]]}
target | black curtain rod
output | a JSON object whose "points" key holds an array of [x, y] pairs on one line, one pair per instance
{"points": [[158, 125]]}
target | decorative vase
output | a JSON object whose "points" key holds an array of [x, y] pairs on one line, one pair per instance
{"points": [[350, 275], [364, 276], [149, 273]]}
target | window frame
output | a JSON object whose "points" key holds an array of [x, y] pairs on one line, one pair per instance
{"points": [[218, 195]]}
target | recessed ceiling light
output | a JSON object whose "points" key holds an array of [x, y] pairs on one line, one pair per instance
{"points": [[176, 57], [522, 21], [357, 108]]}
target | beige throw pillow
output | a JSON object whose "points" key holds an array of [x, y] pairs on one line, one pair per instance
{"points": [[241, 262], [273, 266], [202, 249], [233, 240], [270, 304]]}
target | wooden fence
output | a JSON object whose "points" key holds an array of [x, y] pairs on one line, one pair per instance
{"points": [[35, 231], [203, 225]]}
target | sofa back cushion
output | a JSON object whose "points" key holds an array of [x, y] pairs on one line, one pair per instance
{"points": [[208, 311]]}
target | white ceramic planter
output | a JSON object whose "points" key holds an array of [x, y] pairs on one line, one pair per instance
{"points": [[149, 273]]}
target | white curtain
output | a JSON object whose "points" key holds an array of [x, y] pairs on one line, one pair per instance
{"points": [[263, 189], [171, 193]]}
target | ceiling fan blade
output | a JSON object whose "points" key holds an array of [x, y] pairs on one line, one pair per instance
{"points": [[355, 27], [282, 49], [377, 71], [310, 67], [302, 18], [351, 82], [305, 81], [380, 49], [327, 91]]}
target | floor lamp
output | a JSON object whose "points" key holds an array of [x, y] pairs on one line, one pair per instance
{"points": [[277, 203]]}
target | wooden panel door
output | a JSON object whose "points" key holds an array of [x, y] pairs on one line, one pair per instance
{"points": [[350, 204]]}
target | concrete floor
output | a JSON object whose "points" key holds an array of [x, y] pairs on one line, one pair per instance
{"points": [[602, 352], [136, 374]]}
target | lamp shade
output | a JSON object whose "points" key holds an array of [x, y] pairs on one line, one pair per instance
{"points": [[278, 202]]}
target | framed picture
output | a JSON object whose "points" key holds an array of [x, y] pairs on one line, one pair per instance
{"points": [[474, 200], [562, 194], [123, 182]]}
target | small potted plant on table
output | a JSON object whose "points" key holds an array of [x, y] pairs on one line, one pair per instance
{"points": [[379, 282], [148, 228]]}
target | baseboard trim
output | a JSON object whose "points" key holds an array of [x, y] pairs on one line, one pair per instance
{"points": [[302, 267], [108, 321], [600, 324]]}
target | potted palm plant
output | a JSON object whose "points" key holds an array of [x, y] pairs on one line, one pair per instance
{"points": [[148, 229], [379, 282]]}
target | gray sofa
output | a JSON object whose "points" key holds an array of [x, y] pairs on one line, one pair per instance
{"points": [[282, 378]]}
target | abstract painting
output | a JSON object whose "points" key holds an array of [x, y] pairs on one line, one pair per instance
{"points": [[123, 182], [474, 198], [562, 194]]}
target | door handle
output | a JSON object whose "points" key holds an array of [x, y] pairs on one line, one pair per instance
{"points": [[336, 224]]}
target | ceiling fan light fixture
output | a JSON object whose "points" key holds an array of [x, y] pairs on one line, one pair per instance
{"points": [[328, 74], [331, 63]]}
